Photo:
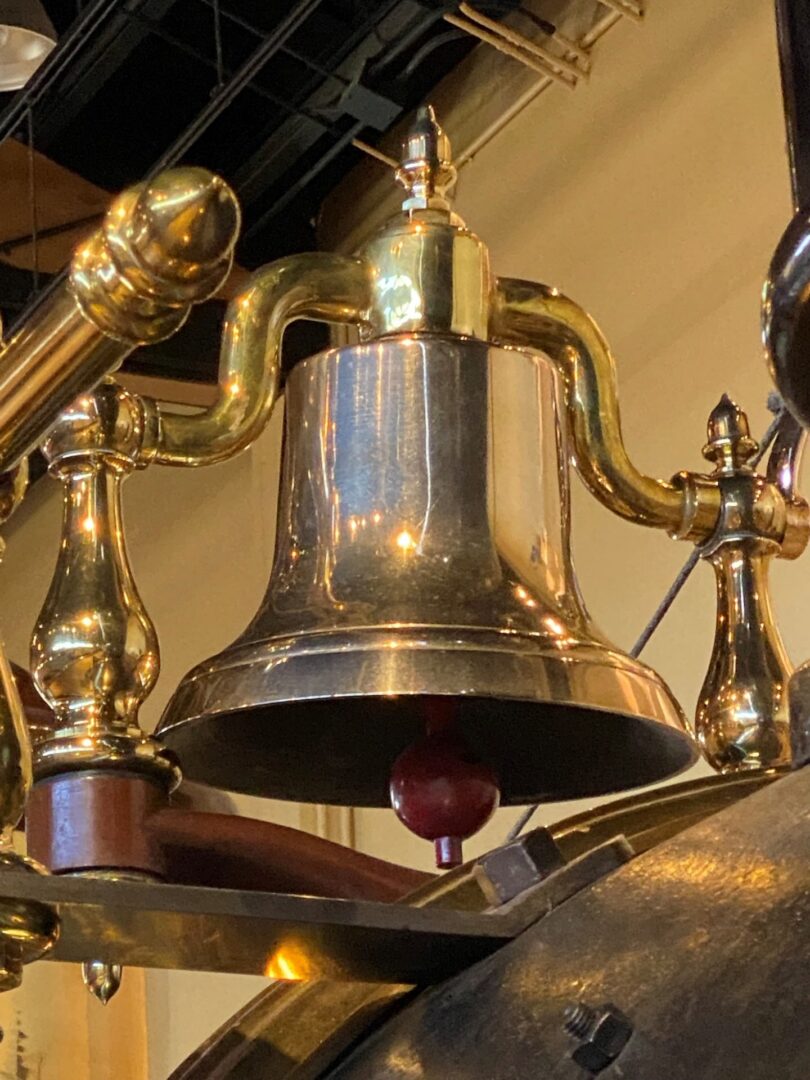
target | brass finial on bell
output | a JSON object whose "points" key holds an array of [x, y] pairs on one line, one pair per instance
{"points": [[422, 552], [426, 170]]}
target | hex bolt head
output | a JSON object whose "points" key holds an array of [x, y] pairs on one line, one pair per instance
{"points": [[602, 1033]]}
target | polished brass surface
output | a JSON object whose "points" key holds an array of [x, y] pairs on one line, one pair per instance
{"points": [[531, 316], [742, 719], [422, 548], [162, 247], [422, 545], [787, 453], [316, 286], [276, 935], [13, 486], [103, 980], [427, 272], [94, 652], [426, 169]]}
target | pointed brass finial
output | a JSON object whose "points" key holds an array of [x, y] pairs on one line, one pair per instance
{"points": [[102, 980], [729, 445], [426, 171]]}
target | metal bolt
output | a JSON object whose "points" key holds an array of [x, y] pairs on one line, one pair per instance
{"points": [[602, 1033], [579, 1019], [515, 867]]}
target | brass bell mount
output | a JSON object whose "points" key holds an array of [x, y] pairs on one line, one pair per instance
{"points": [[422, 566], [406, 586], [742, 718], [163, 247], [113, 300]]}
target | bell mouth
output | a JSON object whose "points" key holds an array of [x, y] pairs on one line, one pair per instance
{"points": [[342, 751], [290, 718]]}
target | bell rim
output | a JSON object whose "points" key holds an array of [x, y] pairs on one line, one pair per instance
{"points": [[255, 683]]}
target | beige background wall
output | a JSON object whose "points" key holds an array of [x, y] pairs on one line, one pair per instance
{"points": [[654, 196]]}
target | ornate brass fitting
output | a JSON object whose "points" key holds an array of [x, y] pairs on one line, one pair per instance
{"points": [[94, 653], [742, 719], [426, 273], [164, 246]]}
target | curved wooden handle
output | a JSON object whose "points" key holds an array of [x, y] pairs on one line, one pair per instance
{"points": [[228, 851]]}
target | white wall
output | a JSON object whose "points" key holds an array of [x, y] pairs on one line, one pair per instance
{"points": [[654, 196]]}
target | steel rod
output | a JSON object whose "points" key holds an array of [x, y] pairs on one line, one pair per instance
{"points": [[223, 98]]}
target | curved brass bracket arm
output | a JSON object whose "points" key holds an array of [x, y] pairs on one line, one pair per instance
{"points": [[318, 286], [528, 315], [163, 247]]}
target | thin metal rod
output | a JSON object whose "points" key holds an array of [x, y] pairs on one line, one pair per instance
{"points": [[14, 242], [301, 182], [550, 30], [307, 61], [218, 45], [521, 41], [669, 598], [32, 199], [61, 58], [497, 41], [298, 14], [633, 9], [254, 87], [373, 152]]}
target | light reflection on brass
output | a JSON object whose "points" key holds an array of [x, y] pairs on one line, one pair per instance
{"points": [[528, 315], [290, 963], [317, 286], [94, 653], [742, 718], [422, 535], [163, 247]]}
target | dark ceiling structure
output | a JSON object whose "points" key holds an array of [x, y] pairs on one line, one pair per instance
{"points": [[281, 98]]}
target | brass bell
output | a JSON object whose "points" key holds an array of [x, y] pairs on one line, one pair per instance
{"points": [[422, 547]]}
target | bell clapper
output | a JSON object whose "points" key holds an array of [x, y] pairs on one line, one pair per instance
{"points": [[439, 789]]}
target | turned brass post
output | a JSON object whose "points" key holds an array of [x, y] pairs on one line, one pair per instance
{"points": [[164, 246], [94, 652], [742, 719]]}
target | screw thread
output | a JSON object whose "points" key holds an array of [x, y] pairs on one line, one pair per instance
{"points": [[579, 1019]]}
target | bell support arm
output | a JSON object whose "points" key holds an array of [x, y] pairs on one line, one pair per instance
{"points": [[163, 247], [529, 315], [318, 286]]}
